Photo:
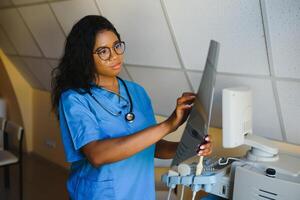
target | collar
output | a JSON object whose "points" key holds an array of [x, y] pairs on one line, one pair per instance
{"points": [[110, 98]]}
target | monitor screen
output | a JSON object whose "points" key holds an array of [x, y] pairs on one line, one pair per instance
{"points": [[199, 120]]}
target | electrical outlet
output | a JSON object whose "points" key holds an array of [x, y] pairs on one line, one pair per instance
{"points": [[50, 143]]}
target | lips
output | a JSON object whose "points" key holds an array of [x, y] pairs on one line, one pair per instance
{"points": [[116, 66]]}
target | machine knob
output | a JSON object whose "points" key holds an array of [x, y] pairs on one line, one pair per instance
{"points": [[271, 172]]}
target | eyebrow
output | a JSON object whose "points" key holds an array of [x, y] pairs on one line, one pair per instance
{"points": [[99, 48]]}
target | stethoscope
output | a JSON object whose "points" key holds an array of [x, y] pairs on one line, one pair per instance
{"points": [[129, 117]]}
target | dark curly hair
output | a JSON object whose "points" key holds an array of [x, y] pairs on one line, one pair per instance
{"points": [[76, 68]]}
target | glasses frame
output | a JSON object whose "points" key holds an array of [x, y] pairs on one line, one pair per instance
{"points": [[110, 51]]}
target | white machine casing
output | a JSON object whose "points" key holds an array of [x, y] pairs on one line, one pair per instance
{"points": [[236, 115], [270, 170]]}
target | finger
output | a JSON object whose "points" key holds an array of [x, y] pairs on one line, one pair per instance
{"points": [[185, 99], [188, 94], [205, 146], [204, 153], [207, 138], [208, 153], [205, 149], [184, 107]]}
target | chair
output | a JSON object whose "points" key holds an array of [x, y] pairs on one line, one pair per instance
{"points": [[2, 125], [12, 153]]}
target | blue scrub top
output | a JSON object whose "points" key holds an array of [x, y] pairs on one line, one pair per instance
{"points": [[83, 120]]}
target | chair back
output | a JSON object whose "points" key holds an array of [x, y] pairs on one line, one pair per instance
{"points": [[13, 136], [2, 125]]}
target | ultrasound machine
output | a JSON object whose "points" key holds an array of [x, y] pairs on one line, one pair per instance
{"points": [[267, 171]]}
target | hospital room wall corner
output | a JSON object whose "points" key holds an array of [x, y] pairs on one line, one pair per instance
{"points": [[31, 108], [47, 141], [17, 93]]}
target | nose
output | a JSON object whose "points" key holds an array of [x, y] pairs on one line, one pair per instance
{"points": [[113, 54]]}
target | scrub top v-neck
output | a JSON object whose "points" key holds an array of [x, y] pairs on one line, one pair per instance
{"points": [[83, 120]]}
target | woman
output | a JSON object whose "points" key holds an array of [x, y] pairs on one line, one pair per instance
{"points": [[108, 127]]}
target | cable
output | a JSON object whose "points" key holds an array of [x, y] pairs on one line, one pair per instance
{"points": [[199, 166], [227, 160], [194, 195], [169, 194], [182, 192]]}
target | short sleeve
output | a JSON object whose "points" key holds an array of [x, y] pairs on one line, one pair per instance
{"points": [[81, 123], [147, 104]]}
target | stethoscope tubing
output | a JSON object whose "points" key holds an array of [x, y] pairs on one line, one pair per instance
{"points": [[128, 94], [130, 115]]}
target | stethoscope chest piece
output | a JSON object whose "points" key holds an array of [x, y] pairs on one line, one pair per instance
{"points": [[130, 117]]}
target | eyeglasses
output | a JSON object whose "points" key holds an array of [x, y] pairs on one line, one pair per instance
{"points": [[104, 53]]}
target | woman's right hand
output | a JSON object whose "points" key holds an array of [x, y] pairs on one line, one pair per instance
{"points": [[182, 111]]}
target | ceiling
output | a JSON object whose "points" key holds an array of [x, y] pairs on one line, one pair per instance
{"points": [[167, 43]]}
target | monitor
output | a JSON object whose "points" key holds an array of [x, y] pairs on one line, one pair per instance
{"points": [[199, 120]]}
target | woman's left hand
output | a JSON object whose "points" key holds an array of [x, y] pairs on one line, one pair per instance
{"points": [[205, 149]]}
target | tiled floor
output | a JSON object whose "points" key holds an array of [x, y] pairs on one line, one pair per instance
{"points": [[42, 180]]}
